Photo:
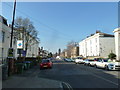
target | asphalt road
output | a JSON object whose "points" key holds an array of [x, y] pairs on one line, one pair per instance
{"points": [[80, 76], [72, 75]]}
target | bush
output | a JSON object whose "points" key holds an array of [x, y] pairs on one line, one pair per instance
{"points": [[112, 56]]}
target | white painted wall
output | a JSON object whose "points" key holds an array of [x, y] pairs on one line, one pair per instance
{"points": [[117, 42], [107, 45], [33, 49], [92, 46], [6, 43]]}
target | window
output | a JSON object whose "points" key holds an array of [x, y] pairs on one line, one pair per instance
{"points": [[96, 40], [4, 21], [90, 42], [3, 37]]}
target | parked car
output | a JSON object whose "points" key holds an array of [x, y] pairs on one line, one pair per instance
{"points": [[46, 63], [79, 60], [67, 60], [94, 61], [72, 59], [104, 63], [87, 61]]}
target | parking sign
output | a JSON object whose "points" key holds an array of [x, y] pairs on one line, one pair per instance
{"points": [[19, 44]]}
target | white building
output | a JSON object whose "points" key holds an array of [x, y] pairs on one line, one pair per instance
{"points": [[33, 49], [117, 42], [97, 45], [5, 37]]}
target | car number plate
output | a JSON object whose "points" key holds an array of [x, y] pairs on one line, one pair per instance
{"points": [[45, 66]]}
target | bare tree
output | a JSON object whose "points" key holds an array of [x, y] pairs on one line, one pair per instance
{"points": [[70, 46], [25, 27]]}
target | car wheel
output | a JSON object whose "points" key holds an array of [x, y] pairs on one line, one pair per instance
{"points": [[51, 67], [106, 68], [96, 66], [41, 68]]}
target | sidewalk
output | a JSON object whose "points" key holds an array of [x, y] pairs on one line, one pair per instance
{"points": [[32, 81]]}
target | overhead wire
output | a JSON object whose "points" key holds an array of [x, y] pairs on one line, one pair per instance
{"points": [[49, 27]]}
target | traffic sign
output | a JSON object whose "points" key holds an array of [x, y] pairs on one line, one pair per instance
{"points": [[10, 53], [19, 44]]}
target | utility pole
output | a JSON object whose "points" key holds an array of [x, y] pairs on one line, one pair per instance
{"points": [[11, 50], [12, 24]]}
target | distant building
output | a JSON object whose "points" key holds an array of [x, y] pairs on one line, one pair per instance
{"points": [[43, 53], [97, 45], [72, 49], [75, 51], [117, 42], [59, 52], [64, 53]]}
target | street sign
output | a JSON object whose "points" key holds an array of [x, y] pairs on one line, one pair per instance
{"points": [[19, 44], [19, 51], [10, 53], [24, 53]]}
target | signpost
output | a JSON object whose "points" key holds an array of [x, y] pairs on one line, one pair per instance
{"points": [[19, 44], [10, 53], [20, 47]]}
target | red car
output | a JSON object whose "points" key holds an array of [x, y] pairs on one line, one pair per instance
{"points": [[46, 64]]}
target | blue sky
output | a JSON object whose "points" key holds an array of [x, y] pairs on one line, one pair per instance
{"points": [[60, 22]]}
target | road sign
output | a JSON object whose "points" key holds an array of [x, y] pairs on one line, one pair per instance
{"points": [[10, 53], [19, 44], [19, 51], [24, 53]]}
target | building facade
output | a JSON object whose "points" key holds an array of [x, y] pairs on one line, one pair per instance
{"points": [[97, 45], [117, 42], [5, 38], [75, 52]]}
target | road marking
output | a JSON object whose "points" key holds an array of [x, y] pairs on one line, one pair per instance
{"points": [[68, 85], [61, 85], [105, 79]]}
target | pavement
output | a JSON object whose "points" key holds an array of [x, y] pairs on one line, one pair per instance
{"points": [[30, 81], [34, 82]]}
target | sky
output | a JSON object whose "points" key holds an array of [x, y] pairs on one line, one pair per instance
{"points": [[58, 23]]}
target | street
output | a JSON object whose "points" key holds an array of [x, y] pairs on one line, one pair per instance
{"points": [[74, 75], [80, 76]]}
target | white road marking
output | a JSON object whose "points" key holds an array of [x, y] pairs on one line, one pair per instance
{"points": [[68, 85]]}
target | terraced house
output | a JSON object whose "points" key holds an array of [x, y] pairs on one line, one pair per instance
{"points": [[97, 45], [5, 39]]}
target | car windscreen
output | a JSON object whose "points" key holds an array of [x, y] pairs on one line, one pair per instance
{"points": [[45, 61], [91, 60], [105, 60], [79, 57]]}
